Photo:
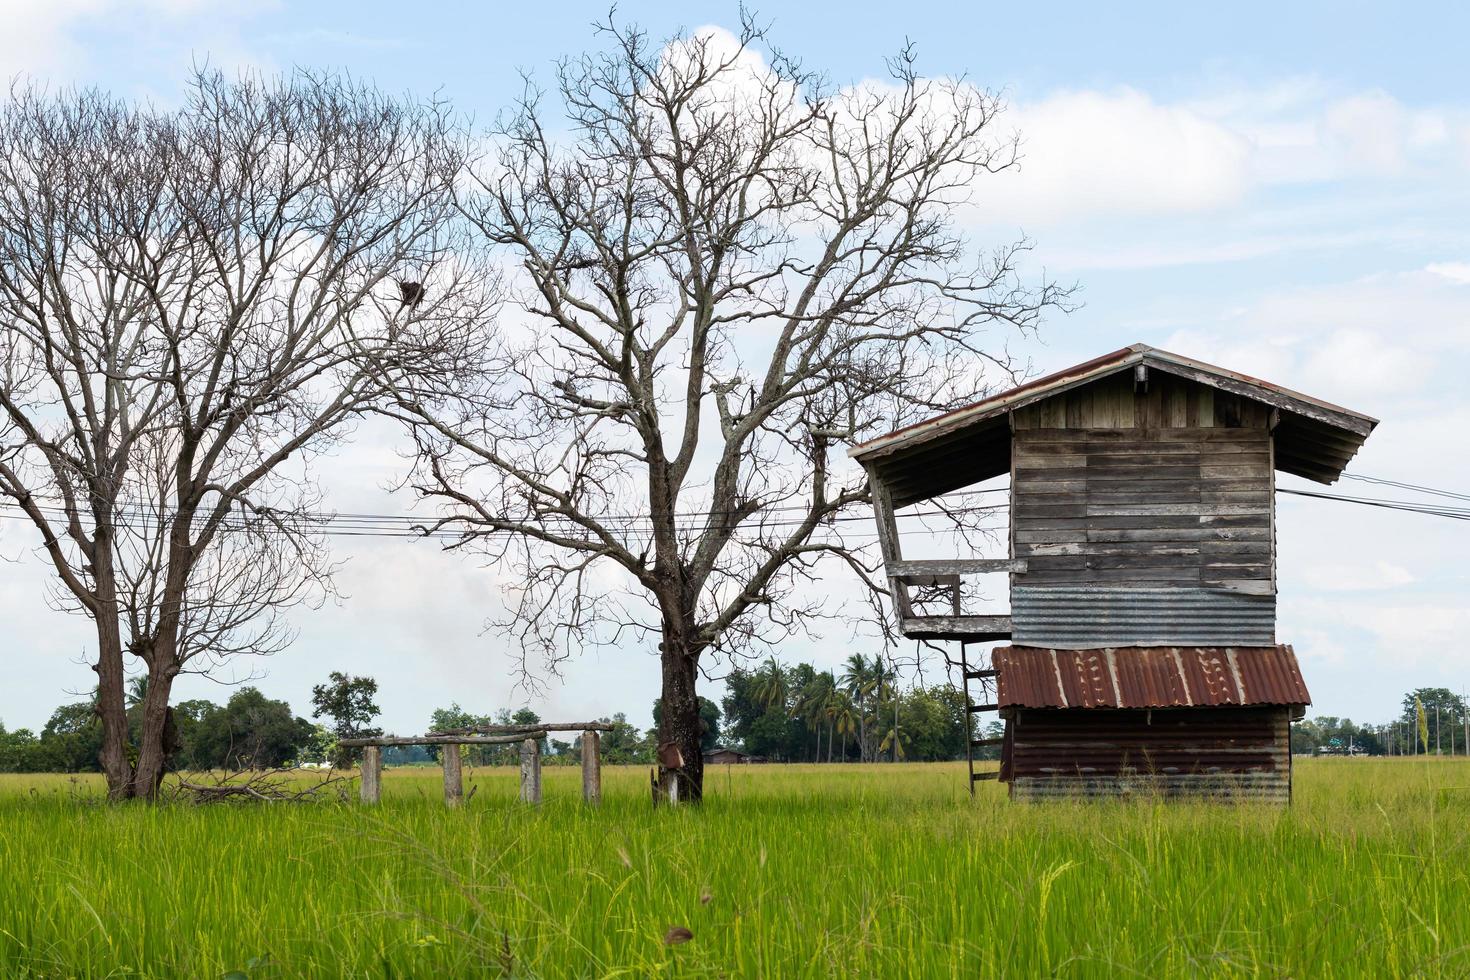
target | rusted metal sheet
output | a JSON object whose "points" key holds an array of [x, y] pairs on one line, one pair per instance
{"points": [[1220, 752], [1086, 617], [1148, 677]]}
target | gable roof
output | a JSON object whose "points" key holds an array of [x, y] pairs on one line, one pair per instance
{"points": [[1315, 439]]}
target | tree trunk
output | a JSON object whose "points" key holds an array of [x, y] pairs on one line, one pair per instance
{"points": [[680, 716], [111, 706], [153, 747]]}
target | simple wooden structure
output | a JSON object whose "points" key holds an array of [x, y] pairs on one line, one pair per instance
{"points": [[528, 737], [1142, 505]]}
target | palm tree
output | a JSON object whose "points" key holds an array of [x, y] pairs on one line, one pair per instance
{"points": [[811, 707], [870, 682], [892, 739], [858, 680], [845, 716], [886, 685], [829, 710], [770, 686]]}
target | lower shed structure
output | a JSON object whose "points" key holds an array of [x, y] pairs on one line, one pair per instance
{"points": [[1174, 721]]}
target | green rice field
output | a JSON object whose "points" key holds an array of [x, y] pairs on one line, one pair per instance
{"points": [[787, 871]]}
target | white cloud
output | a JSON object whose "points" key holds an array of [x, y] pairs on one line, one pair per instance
{"points": [[1419, 632], [37, 37], [1107, 153], [1092, 154], [1455, 272], [1366, 133], [1357, 577], [41, 38]]}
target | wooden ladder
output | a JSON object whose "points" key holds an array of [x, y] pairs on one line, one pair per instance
{"points": [[988, 690]]}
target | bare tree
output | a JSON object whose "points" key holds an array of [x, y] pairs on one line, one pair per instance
{"points": [[728, 269], [187, 298]]}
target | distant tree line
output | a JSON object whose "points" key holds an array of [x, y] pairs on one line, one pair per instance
{"points": [[860, 714], [774, 711], [1433, 721], [249, 731]]}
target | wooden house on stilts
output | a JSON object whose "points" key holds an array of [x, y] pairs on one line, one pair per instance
{"points": [[1143, 651]]}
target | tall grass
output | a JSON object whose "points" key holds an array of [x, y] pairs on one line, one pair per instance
{"points": [[787, 871]]}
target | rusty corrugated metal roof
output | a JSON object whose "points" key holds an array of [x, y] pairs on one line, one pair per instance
{"points": [[1148, 677]]}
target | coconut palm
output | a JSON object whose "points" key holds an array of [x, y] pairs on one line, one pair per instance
{"points": [[885, 685], [893, 740], [845, 717], [811, 707], [770, 687], [859, 680]]}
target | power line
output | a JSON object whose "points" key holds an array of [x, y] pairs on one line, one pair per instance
{"points": [[1454, 513], [1407, 486], [398, 526], [139, 518]]}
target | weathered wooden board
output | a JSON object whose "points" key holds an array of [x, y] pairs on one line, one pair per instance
{"points": [[1169, 486], [372, 774]]}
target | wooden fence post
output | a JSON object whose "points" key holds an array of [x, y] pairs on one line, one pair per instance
{"points": [[592, 767], [372, 773], [531, 771], [453, 778]]}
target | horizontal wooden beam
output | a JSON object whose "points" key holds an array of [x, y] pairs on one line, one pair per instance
{"points": [[956, 627], [540, 726], [960, 566], [385, 740]]}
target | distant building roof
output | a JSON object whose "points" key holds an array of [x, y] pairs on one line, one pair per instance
{"points": [[1315, 439], [1148, 677], [722, 750]]}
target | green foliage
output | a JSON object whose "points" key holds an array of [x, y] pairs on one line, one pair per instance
{"points": [[1435, 717], [348, 702], [455, 718], [71, 740], [251, 731], [799, 714], [624, 744], [1329, 735], [758, 712]]}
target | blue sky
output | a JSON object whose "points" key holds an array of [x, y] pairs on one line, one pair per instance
{"points": [[1281, 189]]}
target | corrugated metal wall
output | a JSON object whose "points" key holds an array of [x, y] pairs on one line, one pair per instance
{"points": [[1209, 752], [1079, 618]]}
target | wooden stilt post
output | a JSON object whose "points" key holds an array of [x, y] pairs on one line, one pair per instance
{"points": [[372, 773], [531, 771], [453, 777], [591, 767]]}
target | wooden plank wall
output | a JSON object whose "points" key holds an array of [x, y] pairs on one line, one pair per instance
{"points": [[1168, 487]]}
